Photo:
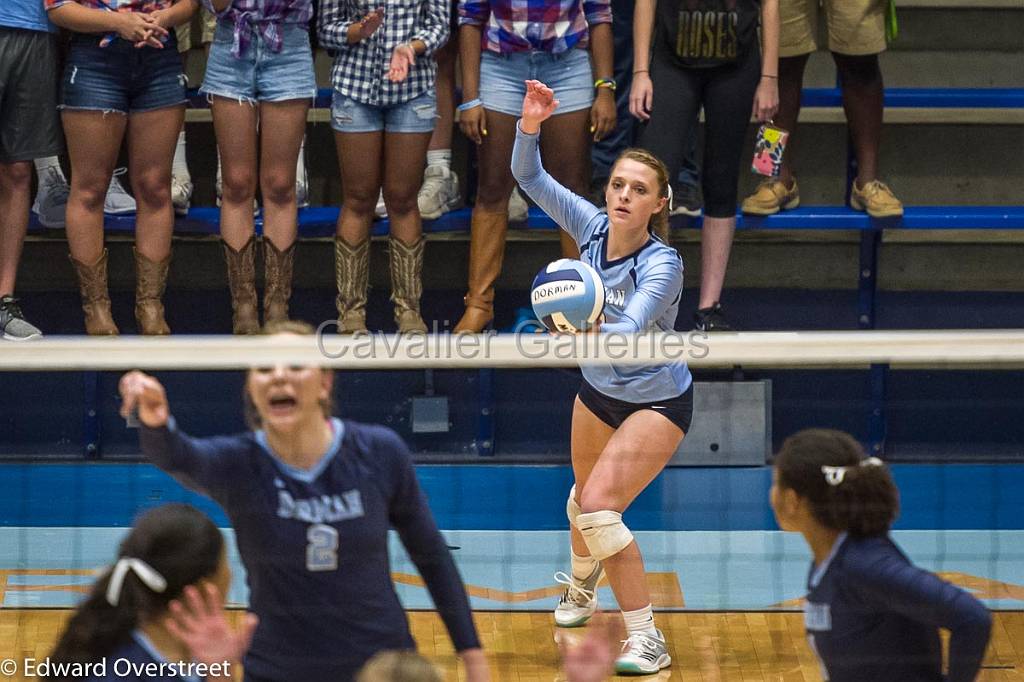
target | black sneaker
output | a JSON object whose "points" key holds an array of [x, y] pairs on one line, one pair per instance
{"points": [[13, 326], [711, 320], [686, 201]]}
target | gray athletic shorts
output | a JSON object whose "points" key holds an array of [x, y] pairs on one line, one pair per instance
{"points": [[29, 121]]}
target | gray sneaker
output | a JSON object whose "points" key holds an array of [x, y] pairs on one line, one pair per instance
{"points": [[579, 601], [118, 201], [52, 198], [13, 326]]}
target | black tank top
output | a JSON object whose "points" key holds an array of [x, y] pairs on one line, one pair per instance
{"points": [[705, 33]]}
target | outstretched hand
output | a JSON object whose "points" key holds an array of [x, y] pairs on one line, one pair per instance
{"points": [[538, 106], [144, 393], [198, 621]]}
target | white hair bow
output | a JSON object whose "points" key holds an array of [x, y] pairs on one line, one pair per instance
{"points": [[670, 198], [147, 574], [835, 475]]}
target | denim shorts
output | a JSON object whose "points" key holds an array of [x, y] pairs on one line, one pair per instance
{"points": [[120, 77], [417, 115], [261, 75], [503, 76]]}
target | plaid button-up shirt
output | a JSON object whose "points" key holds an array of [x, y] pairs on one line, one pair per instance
{"points": [[360, 70], [554, 26], [263, 16]]}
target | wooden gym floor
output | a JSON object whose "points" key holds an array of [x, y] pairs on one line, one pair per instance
{"points": [[705, 646]]}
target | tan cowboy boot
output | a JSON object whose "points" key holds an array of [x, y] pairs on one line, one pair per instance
{"points": [[242, 282], [150, 282], [278, 281], [352, 274], [92, 282], [407, 284], [486, 251]]}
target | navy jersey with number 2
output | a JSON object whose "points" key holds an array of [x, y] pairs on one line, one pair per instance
{"points": [[314, 544], [872, 615]]}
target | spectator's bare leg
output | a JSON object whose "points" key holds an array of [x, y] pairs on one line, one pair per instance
{"points": [[359, 157], [282, 124], [15, 197], [94, 140], [861, 81], [495, 181], [152, 136], [715, 246], [234, 123], [791, 82], [565, 148], [445, 84], [404, 158]]}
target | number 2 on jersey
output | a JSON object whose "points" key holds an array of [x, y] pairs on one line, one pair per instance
{"points": [[322, 551]]}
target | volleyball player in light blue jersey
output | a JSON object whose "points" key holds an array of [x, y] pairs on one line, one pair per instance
{"points": [[627, 422]]}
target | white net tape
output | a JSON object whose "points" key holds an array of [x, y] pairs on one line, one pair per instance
{"points": [[922, 349]]}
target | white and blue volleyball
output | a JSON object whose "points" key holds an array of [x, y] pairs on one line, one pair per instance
{"points": [[568, 296]]}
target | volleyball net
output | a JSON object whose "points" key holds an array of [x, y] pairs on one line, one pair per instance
{"points": [[488, 419]]}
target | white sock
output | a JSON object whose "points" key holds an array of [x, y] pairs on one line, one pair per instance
{"points": [[45, 163], [440, 157], [582, 566], [179, 168], [641, 620]]}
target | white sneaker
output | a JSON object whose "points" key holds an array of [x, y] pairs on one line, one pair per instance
{"points": [[118, 201], [439, 193], [518, 209], [579, 601], [301, 185], [52, 198], [181, 194], [380, 210], [643, 654]]}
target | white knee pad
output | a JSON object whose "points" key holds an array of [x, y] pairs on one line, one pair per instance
{"points": [[604, 532], [572, 510]]}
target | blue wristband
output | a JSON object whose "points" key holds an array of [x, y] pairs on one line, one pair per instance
{"points": [[471, 104]]}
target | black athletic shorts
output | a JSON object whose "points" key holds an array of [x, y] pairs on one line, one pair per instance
{"points": [[29, 122], [613, 412]]}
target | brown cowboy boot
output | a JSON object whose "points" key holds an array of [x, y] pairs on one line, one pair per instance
{"points": [[407, 284], [92, 282], [486, 251], [352, 274], [278, 281], [242, 282], [150, 282]]}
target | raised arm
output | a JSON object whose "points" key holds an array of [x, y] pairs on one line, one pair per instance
{"points": [[894, 584], [572, 212], [200, 464]]}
